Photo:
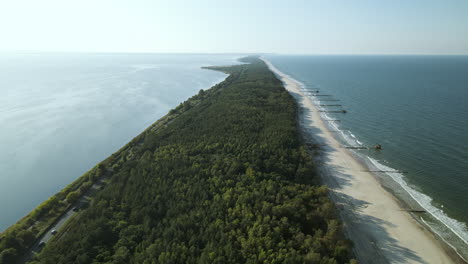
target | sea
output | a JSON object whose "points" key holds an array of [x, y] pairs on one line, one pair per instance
{"points": [[61, 113], [416, 108]]}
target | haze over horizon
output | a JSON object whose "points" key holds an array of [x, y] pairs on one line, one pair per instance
{"points": [[293, 27]]}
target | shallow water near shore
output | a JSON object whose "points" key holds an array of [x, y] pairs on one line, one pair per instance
{"points": [[415, 107], [60, 113]]}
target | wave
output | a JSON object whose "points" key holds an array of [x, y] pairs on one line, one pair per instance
{"points": [[348, 137], [425, 201], [441, 236], [458, 228]]}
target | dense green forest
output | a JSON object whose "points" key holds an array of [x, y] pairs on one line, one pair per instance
{"points": [[223, 178]]}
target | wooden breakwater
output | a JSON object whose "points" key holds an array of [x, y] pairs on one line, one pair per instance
{"points": [[334, 111], [387, 171]]}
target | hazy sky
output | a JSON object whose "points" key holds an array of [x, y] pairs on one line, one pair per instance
{"points": [[282, 26]]}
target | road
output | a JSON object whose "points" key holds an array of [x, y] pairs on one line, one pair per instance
{"points": [[57, 226], [62, 220]]}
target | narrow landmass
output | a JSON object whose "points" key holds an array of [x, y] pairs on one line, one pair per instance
{"points": [[225, 177]]}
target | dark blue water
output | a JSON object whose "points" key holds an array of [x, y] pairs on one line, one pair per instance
{"points": [[414, 106], [60, 114]]}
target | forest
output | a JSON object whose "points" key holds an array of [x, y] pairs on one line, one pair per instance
{"points": [[223, 178]]}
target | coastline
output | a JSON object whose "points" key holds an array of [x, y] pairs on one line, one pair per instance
{"points": [[382, 230]]}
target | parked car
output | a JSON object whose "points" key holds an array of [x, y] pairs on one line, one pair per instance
{"points": [[41, 244], [53, 232]]}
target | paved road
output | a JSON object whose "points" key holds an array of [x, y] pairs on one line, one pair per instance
{"points": [[57, 226], [62, 221]]}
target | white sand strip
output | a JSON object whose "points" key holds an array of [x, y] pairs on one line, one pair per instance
{"points": [[381, 230]]}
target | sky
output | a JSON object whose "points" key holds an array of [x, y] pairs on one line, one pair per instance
{"points": [[240, 26]]}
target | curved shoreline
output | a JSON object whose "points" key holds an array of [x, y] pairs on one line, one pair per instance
{"points": [[382, 231]]}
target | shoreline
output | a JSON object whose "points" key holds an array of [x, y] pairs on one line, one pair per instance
{"points": [[380, 226]]}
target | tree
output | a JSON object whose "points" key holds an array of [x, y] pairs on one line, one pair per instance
{"points": [[8, 256], [72, 197]]}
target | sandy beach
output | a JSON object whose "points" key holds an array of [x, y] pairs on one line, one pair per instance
{"points": [[382, 231]]}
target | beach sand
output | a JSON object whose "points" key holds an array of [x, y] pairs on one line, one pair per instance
{"points": [[382, 231]]}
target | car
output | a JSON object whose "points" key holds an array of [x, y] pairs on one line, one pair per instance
{"points": [[53, 232], [75, 209], [41, 244]]}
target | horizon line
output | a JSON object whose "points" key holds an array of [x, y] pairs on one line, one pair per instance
{"points": [[232, 53]]}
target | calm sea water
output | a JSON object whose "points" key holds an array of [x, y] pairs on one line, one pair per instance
{"points": [[60, 114], [414, 106]]}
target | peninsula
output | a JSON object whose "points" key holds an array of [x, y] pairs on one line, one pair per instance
{"points": [[228, 176], [223, 178]]}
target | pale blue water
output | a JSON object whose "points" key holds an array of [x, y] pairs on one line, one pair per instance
{"points": [[60, 114], [414, 106]]}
